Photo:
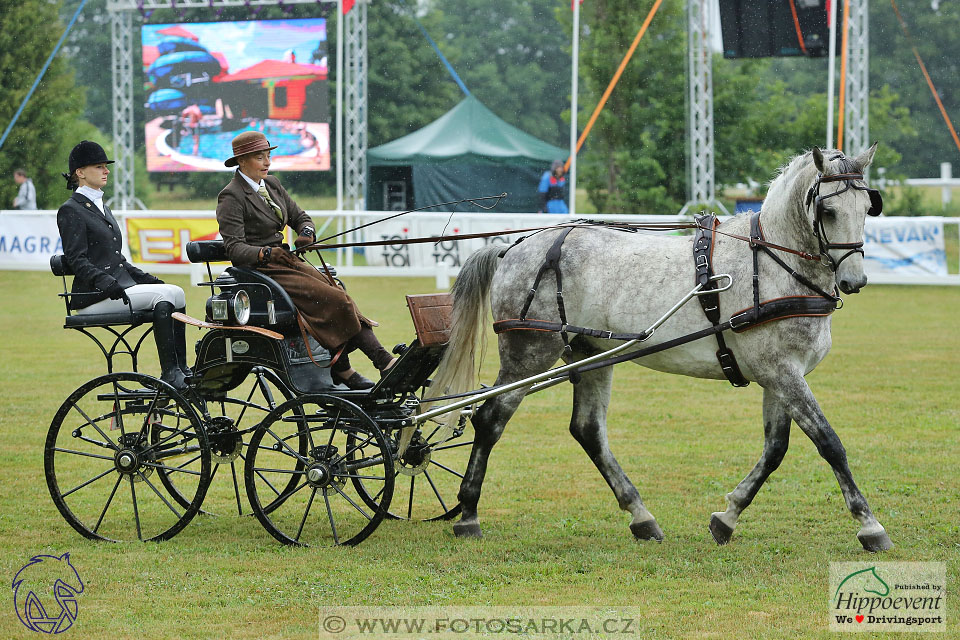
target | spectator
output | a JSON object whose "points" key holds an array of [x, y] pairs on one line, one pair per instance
{"points": [[27, 196], [553, 189]]}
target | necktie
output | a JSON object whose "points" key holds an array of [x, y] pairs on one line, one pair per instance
{"points": [[273, 205]]}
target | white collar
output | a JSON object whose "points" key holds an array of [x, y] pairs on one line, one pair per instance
{"points": [[95, 195], [255, 185]]}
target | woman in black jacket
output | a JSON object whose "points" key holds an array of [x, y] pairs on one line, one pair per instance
{"points": [[104, 282]]}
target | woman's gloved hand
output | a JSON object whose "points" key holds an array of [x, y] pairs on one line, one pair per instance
{"points": [[279, 255], [116, 292], [307, 237]]}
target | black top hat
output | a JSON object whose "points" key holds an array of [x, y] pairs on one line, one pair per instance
{"points": [[87, 153]]}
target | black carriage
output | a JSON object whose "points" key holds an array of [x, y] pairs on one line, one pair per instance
{"points": [[128, 457]]}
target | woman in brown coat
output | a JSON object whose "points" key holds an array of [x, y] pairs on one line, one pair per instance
{"points": [[252, 212]]}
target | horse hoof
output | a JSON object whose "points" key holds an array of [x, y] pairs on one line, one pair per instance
{"points": [[719, 530], [467, 530], [646, 530], [876, 541]]}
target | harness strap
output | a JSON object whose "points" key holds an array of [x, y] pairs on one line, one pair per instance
{"points": [[545, 325], [551, 263], [703, 263]]}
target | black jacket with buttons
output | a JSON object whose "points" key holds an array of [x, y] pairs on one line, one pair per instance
{"points": [[91, 244]]}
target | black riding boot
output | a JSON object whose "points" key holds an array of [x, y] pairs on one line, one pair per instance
{"points": [[164, 333], [180, 332]]}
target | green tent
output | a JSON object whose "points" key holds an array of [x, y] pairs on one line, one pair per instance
{"points": [[467, 152]]}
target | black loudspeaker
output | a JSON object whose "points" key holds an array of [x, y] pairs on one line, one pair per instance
{"points": [[767, 28]]}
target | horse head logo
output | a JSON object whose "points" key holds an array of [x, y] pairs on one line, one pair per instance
{"points": [[866, 580], [45, 579]]}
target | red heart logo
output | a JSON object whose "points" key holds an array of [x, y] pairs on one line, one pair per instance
{"points": [[859, 618]]}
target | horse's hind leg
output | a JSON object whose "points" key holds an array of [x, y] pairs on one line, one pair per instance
{"points": [[776, 438], [588, 425], [805, 411], [521, 355]]}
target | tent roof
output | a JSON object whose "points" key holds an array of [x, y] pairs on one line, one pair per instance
{"points": [[469, 131]]}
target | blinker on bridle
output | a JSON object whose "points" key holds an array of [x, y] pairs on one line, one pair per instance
{"points": [[813, 195]]}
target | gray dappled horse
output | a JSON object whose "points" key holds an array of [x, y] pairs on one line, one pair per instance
{"points": [[624, 281]]}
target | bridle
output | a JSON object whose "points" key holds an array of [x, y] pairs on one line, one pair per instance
{"points": [[813, 196]]}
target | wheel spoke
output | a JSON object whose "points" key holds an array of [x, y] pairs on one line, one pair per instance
{"points": [[290, 471], [93, 479], [306, 512], [435, 492], [281, 498], [288, 447], [159, 495], [109, 500], [413, 480], [136, 510], [346, 453], [348, 499], [262, 477], [190, 461], [452, 446], [333, 525], [157, 465], [236, 487], [445, 468], [81, 453], [117, 409], [175, 433], [113, 445]]}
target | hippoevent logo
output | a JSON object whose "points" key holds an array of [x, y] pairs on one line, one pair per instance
{"points": [[45, 593], [888, 596]]}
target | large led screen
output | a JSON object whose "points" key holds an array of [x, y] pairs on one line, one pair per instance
{"points": [[207, 82]]}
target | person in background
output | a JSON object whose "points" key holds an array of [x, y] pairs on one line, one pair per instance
{"points": [[104, 282], [27, 195], [553, 189], [253, 210]]}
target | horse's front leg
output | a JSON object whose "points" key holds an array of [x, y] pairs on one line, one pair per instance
{"points": [[776, 438], [803, 408]]}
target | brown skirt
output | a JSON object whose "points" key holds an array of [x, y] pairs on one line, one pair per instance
{"points": [[331, 316]]}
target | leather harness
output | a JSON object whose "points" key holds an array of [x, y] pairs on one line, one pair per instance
{"points": [[822, 304]]}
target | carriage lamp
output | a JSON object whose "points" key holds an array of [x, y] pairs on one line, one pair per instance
{"points": [[229, 306]]}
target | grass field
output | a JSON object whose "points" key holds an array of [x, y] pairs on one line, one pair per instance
{"points": [[553, 533]]}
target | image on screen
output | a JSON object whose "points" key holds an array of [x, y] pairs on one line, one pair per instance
{"points": [[207, 82]]}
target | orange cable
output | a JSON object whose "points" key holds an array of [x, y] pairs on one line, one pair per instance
{"points": [[843, 73], [613, 82], [926, 75], [796, 25]]}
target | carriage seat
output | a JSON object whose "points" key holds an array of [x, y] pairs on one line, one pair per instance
{"points": [[60, 267]]}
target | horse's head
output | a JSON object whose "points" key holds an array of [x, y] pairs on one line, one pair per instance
{"points": [[837, 204]]}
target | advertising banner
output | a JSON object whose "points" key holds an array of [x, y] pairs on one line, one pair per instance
{"points": [[164, 240], [28, 240], [904, 246]]}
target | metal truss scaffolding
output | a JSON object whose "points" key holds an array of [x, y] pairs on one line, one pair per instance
{"points": [[352, 157], [701, 187], [856, 134]]}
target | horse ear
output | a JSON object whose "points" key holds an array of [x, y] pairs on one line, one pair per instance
{"points": [[818, 159], [864, 159]]}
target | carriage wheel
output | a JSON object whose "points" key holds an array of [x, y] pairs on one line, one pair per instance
{"points": [[105, 449], [233, 418], [428, 474], [322, 507]]}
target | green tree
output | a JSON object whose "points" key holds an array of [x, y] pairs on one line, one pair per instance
{"points": [[634, 159], [52, 120]]}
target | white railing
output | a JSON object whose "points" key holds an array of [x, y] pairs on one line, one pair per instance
{"points": [[28, 239]]}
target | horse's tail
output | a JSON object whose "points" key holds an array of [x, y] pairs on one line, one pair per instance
{"points": [[471, 305]]}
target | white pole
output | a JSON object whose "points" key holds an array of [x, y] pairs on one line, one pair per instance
{"points": [[340, 19], [831, 69], [572, 176]]}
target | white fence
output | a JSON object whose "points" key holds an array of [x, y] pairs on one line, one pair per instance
{"points": [[898, 250]]}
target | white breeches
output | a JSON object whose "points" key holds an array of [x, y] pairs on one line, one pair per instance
{"points": [[142, 296]]}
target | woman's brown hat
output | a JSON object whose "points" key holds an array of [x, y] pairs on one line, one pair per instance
{"points": [[248, 142]]}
